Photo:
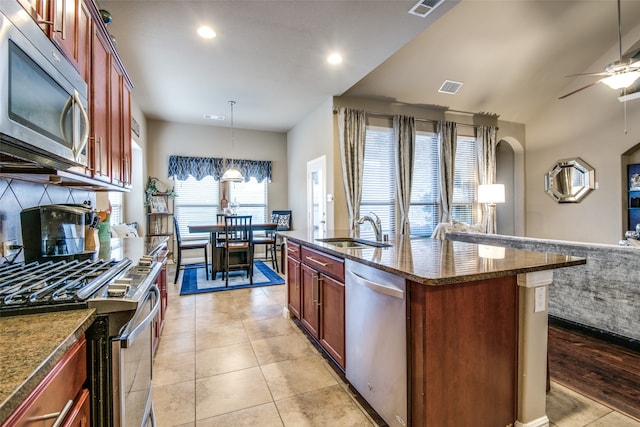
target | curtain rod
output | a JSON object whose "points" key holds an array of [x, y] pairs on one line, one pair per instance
{"points": [[418, 119]]}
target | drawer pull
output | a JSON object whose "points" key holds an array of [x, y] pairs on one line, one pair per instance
{"points": [[324, 264], [59, 416], [291, 249]]}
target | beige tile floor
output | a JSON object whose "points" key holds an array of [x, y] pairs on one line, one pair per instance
{"points": [[231, 359]]}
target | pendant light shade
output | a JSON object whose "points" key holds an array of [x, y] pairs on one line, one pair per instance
{"points": [[232, 174]]}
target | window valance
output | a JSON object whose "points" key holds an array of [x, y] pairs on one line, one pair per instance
{"points": [[199, 167]]}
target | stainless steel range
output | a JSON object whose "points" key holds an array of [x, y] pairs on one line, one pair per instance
{"points": [[126, 300]]}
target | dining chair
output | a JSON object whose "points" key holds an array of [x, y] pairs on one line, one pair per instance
{"points": [[238, 245], [283, 219], [268, 239], [195, 244]]}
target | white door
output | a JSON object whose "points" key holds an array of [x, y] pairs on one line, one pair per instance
{"points": [[317, 194]]}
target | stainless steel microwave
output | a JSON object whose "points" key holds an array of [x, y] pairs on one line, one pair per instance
{"points": [[43, 99]]}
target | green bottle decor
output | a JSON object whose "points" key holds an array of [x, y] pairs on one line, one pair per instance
{"points": [[106, 16]]}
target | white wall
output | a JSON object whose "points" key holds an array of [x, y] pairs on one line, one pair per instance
{"points": [[589, 125], [166, 139], [309, 139]]}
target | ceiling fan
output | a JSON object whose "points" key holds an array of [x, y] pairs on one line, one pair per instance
{"points": [[619, 74]]}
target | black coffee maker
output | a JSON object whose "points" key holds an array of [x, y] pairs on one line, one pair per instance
{"points": [[54, 232]]}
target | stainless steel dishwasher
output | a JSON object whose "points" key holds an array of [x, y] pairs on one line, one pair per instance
{"points": [[376, 344]]}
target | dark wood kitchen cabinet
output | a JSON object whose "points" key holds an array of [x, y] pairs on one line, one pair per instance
{"points": [[68, 24], [59, 395], [158, 323], [99, 98], [39, 10], [322, 300], [110, 107], [293, 279], [71, 32], [120, 122]]}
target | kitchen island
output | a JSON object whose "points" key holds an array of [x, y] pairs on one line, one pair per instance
{"points": [[476, 326]]}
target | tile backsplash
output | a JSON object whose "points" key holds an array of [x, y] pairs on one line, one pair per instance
{"points": [[17, 195]]}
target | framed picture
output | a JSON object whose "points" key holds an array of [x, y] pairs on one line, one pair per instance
{"points": [[634, 182], [158, 205]]}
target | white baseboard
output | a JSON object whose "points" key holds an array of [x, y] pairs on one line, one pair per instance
{"points": [[540, 422]]}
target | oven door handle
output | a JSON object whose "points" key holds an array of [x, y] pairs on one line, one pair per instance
{"points": [[127, 338]]}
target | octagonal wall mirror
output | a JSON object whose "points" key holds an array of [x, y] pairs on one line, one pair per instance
{"points": [[570, 180]]}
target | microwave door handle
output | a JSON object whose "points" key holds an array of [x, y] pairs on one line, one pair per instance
{"points": [[85, 117], [65, 111]]}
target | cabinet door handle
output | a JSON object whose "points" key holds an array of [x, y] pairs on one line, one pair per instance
{"points": [[59, 416], [296, 267], [324, 264], [314, 289]]}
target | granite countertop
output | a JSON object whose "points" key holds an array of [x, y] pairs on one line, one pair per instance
{"points": [[30, 345], [131, 247], [438, 262]]}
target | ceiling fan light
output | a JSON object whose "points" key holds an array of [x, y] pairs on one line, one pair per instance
{"points": [[620, 81], [232, 175]]}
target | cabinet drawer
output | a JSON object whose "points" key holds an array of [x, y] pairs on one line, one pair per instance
{"points": [[59, 387], [323, 263], [293, 250]]}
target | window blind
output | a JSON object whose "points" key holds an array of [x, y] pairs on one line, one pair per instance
{"points": [[252, 197], [378, 181], [424, 214], [115, 199], [196, 201], [465, 181]]}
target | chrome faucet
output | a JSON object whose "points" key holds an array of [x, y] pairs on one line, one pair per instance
{"points": [[375, 224]]}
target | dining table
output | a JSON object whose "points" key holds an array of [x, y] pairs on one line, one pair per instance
{"points": [[212, 228]]}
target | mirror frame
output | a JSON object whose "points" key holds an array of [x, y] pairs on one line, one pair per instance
{"points": [[552, 183]]}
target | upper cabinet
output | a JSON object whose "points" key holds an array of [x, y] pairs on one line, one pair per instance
{"points": [[77, 29], [71, 31]]}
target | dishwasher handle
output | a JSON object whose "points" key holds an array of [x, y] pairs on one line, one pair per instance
{"points": [[378, 287]]}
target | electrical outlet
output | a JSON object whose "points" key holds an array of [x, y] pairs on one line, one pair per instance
{"points": [[10, 248]]}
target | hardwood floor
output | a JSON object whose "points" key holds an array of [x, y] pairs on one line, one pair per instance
{"points": [[605, 372]]}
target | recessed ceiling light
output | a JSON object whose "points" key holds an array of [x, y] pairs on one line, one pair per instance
{"points": [[334, 58], [213, 117], [206, 32]]}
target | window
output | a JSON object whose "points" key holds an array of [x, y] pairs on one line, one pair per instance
{"points": [[378, 192], [424, 211], [196, 201], [252, 197], [378, 179], [115, 199], [465, 181]]}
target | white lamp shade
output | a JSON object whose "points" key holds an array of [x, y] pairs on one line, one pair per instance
{"points": [[491, 252], [232, 175], [491, 193]]}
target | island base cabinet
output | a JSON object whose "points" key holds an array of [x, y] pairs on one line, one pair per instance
{"points": [[463, 353], [310, 315], [332, 318], [293, 286]]}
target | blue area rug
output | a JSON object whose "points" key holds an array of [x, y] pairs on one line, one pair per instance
{"points": [[194, 281]]}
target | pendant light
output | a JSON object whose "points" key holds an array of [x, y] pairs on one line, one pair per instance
{"points": [[232, 174]]}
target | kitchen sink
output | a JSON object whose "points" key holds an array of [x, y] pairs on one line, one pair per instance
{"points": [[350, 242]]}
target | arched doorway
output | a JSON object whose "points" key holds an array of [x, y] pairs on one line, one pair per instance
{"points": [[510, 172]]}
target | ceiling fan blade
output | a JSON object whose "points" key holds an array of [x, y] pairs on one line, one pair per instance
{"points": [[603, 73], [582, 88]]}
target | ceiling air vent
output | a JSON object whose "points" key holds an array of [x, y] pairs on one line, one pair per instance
{"points": [[425, 7], [450, 87]]}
